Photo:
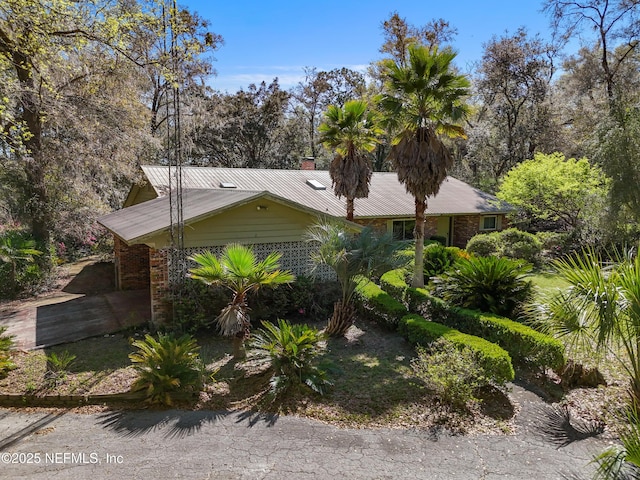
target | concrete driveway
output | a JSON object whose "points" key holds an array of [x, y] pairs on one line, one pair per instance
{"points": [[86, 305]]}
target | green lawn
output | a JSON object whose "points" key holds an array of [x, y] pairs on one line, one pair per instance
{"points": [[547, 283]]}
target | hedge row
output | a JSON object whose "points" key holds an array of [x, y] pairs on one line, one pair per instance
{"points": [[382, 308], [494, 360], [377, 305], [524, 344]]}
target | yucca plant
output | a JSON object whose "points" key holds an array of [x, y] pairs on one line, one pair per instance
{"points": [[488, 284], [166, 367], [291, 350]]}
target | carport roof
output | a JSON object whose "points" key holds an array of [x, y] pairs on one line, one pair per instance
{"points": [[135, 223]]}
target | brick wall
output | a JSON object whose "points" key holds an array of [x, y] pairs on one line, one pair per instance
{"points": [[159, 271], [379, 225], [466, 226], [132, 265]]}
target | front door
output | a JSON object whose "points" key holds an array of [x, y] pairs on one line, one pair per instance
{"points": [[444, 229]]}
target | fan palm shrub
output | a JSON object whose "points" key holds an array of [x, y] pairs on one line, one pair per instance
{"points": [[242, 273], [350, 255], [291, 350], [353, 132], [423, 100], [488, 284], [16, 250], [167, 367], [622, 461], [601, 308]]}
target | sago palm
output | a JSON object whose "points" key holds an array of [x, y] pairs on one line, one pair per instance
{"points": [[241, 272], [350, 256], [352, 131], [423, 101]]}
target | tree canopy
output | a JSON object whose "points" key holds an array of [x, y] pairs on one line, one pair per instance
{"points": [[554, 190]]}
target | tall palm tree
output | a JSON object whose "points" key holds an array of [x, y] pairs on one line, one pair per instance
{"points": [[241, 272], [423, 100], [350, 256], [352, 131]]}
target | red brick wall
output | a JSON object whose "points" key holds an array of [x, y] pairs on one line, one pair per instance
{"points": [[132, 265], [159, 270], [380, 225], [466, 226]]}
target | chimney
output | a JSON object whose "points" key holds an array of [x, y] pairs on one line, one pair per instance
{"points": [[308, 163]]}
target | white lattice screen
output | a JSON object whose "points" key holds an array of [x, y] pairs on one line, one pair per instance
{"points": [[295, 257]]}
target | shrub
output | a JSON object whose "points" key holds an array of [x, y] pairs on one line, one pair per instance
{"points": [[554, 244], [394, 282], [437, 259], [378, 305], [495, 361], [524, 344], [58, 366], [452, 373], [291, 349], [167, 367], [517, 244], [484, 245], [489, 284], [6, 346]]}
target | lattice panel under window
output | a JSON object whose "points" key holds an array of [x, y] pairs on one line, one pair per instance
{"points": [[295, 257]]}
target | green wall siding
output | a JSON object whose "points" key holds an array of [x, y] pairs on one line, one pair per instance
{"points": [[245, 224]]}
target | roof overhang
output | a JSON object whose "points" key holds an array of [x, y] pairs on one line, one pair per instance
{"points": [[141, 222]]}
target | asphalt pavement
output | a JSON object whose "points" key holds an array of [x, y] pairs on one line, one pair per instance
{"points": [[231, 445]]}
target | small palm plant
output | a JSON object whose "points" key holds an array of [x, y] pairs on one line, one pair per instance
{"points": [[291, 349], [242, 273], [488, 284], [601, 309], [350, 256], [167, 366], [622, 461], [15, 249]]}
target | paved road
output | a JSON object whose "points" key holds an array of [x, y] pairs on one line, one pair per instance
{"points": [[214, 445]]}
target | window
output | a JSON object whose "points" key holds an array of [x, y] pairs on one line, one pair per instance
{"points": [[403, 229], [489, 222]]}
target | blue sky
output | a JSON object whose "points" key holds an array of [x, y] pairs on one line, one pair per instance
{"points": [[267, 39]]}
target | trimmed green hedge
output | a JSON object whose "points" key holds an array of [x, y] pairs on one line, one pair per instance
{"points": [[393, 282], [524, 344], [378, 305], [494, 360]]}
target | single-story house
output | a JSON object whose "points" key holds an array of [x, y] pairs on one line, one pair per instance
{"points": [[271, 209]]}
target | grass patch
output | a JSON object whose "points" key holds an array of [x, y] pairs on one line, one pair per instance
{"points": [[547, 283]]}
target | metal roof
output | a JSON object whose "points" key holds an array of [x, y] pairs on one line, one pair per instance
{"points": [[147, 218], [133, 224], [387, 196]]}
